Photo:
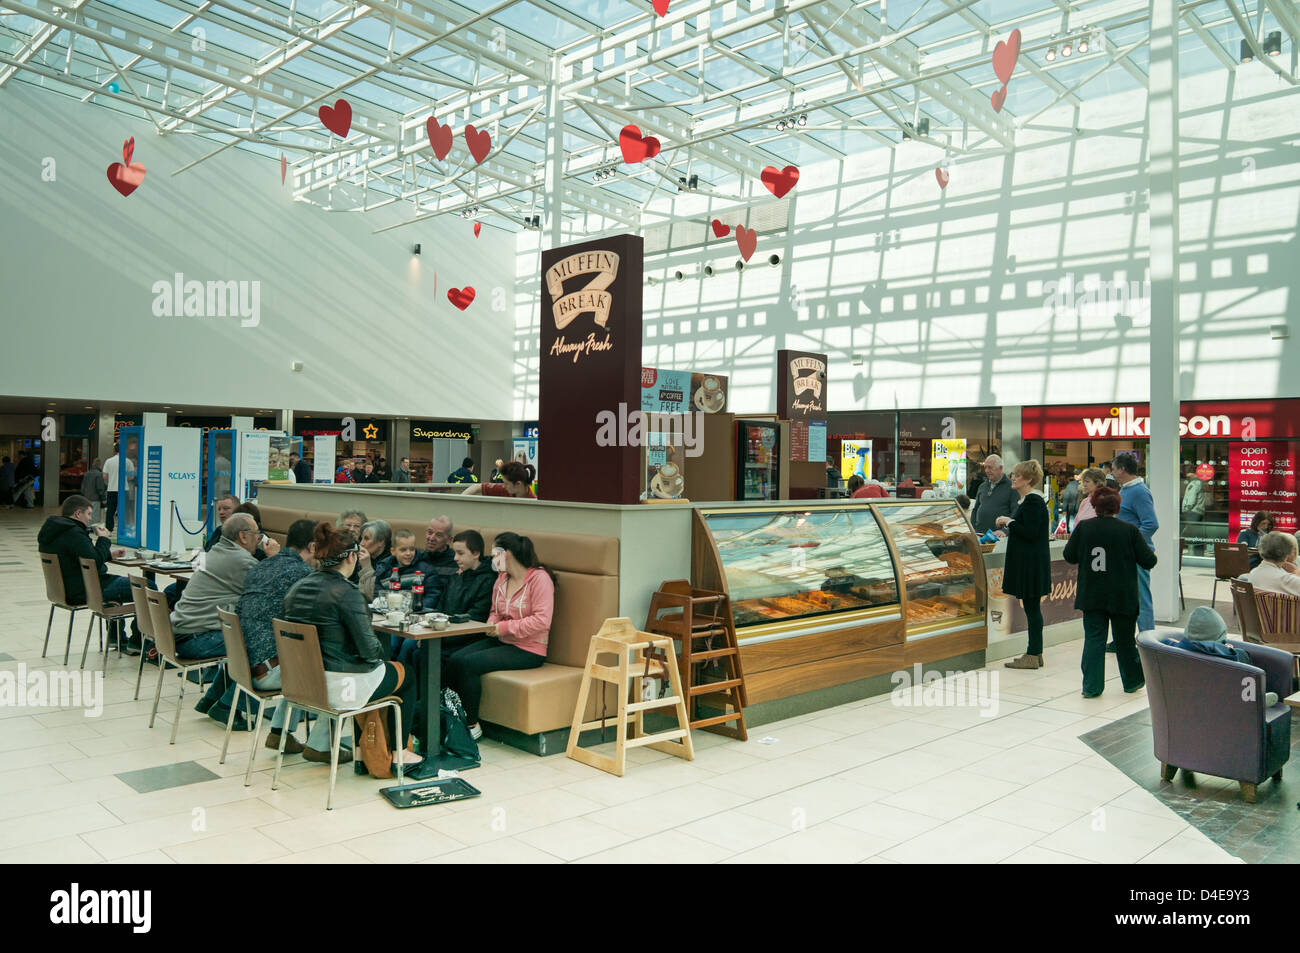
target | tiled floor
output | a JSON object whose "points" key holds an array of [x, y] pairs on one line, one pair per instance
{"points": [[865, 782]]}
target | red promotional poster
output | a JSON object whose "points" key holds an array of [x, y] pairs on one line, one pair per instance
{"points": [[1261, 476]]}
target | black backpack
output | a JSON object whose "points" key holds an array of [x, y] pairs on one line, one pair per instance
{"points": [[457, 742]]}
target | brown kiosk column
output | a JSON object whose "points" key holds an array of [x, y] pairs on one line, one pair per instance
{"points": [[590, 370]]}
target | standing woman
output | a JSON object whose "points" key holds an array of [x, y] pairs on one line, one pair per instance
{"points": [[357, 670], [523, 601], [1090, 481], [1028, 571], [1108, 552]]}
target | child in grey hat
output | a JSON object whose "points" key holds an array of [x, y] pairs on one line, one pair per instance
{"points": [[1207, 633]]}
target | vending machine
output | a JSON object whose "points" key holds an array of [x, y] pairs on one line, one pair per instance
{"points": [[758, 460]]}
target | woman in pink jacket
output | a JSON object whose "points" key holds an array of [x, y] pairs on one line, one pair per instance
{"points": [[1090, 480], [523, 601]]}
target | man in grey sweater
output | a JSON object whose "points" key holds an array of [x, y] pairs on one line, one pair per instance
{"points": [[994, 498], [217, 585]]}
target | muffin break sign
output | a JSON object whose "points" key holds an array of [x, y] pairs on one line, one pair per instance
{"points": [[589, 366]]}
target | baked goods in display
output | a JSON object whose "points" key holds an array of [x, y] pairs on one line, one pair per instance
{"points": [[929, 610], [929, 529], [957, 562]]}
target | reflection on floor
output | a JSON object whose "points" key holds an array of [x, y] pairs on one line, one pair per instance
{"points": [[869, 781], [1267, 832]]}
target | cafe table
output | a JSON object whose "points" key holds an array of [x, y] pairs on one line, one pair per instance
{"points": [[150, 571], [430, 683]]}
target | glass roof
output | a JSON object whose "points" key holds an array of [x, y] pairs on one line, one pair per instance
{"points": [[712, 80]]}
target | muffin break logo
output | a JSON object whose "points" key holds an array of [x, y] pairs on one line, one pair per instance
{"points": [[592, 298], [808, 374]]}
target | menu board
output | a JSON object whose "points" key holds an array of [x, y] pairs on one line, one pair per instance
{"points": [[1261, 476], [816, 441], [799, 440]]}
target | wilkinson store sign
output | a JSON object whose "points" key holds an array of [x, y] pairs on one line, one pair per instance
{"points": [[1206, 420]]}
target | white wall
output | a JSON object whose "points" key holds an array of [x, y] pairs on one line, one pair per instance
{"points": [[80, 262], [942, 293]]}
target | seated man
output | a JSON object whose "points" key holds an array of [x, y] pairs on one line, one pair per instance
{"points": [[469, 592], [225, 505], [1276, 571], [218, 585], [262, 601], [437, 549], [68, 537], [1207, 634]]}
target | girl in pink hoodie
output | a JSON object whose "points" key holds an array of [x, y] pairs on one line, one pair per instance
{"points": [[523, 601]]}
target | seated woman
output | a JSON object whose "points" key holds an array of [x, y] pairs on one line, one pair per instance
{"points": [[1276, 571], [356, 670], [1260, 525], [523, 600], [516, 481], [402, 565]]}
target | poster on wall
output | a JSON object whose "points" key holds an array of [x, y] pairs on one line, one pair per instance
{"points": [[855, 457], [801, 385], [1261, 476], [525, 451], [948, 464], [709, 393], [665, 467], [322, 461], [255, 455], [816, 441], [664, 392], [277, 464]]}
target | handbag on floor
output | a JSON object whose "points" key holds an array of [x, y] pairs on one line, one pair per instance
{"points": [[372, 740], [457, 742]]}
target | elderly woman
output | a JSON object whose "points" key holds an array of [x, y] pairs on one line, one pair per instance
{"points": [[1027, 573], [1276, 571], [1259, 526]]}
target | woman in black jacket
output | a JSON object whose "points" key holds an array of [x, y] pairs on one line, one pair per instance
{"points": [[1108, 551], [356, 667], [1027, 573]]}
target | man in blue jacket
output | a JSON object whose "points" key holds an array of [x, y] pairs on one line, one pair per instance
{"points": [[1137, 507]]}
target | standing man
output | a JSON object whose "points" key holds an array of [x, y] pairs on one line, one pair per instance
{"points": [[93, 488], [110, 484], [1108, 469], [1137, 507], [403, 474], [994, 498], [465, 474], [1193, 503], [25, 481], [300, 467]]}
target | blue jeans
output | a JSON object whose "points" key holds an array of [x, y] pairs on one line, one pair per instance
{"points": [[206, 645], [118, 590], [1146, 613]]}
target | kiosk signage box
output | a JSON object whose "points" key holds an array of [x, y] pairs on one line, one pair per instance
{"points": [[801, 385], [590, 369]]}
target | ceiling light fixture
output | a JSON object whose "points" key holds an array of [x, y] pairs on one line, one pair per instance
{"points": [[803, 117], [1273, 43], [923, 128], [1247, 55], [1066, 48], [1050, 55], [1083, 44]]}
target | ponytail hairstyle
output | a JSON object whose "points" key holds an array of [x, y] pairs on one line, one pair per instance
{"points": [[516, 472], [332, 545], [521, 547]]}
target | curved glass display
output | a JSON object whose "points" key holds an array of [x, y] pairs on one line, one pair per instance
{"points": [[795, 563], [938, 554]]}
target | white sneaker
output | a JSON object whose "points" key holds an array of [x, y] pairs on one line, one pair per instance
{"points": [[475, 731]]}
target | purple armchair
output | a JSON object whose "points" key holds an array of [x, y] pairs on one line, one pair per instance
{"points": [[1199, 720]]}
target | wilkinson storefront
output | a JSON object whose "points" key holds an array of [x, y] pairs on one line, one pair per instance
{"points": [[1237, 457]]}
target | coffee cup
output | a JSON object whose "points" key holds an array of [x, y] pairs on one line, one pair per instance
{"points": [[395, 617], [438, 625]]}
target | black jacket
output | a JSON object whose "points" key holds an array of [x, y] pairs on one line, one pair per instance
{"points": [[1108, 551], [1028, 569], [443, 563], [302, 471], [470, 592], [342, 619], [70, 540], [462, 475]]}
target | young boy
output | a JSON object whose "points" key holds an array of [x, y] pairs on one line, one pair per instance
{"points": [[469, 591], [403, 563]]}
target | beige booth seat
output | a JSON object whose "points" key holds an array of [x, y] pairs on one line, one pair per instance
{"points": [[537, 700]]}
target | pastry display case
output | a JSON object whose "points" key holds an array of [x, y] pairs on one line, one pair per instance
{"points": [[940, 562], [786, 563]]}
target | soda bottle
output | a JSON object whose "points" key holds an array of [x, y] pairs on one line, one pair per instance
{"points": [[417, 592], [394, 591]]}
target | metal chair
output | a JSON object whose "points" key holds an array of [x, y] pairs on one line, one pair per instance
{"points": [[241, 673], [99, 610], [165, 640], [302, 685], [1230, 561], [143, 621], [55, 592]]}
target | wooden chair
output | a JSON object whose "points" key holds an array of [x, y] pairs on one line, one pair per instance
{"points": [[618, 637], [165, 640], [58, 597], [1243, 600], [241, 673], [98, 610], [302, 685], [1279, 623], [143, 621], [1230, 561]]}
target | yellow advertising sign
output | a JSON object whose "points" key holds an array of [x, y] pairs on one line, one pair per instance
{"points": [[948, 464]]}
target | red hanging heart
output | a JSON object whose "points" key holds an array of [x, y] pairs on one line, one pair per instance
{"points": [[126, 178], [661, 7], [337, 119], [128, 150], [781, 181], [440, 137], [479, 142], [284, 167], [998, 98], [942, 176], [462, 298], [1005, 55], [635, 147], [746, 241], [478, 227], [720, 230]]}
